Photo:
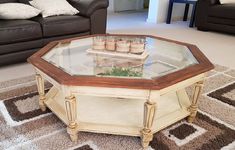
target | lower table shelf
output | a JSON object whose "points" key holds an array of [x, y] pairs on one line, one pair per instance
{"points": [[120, 116]]}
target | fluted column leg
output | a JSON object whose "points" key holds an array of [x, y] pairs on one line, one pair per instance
{"points": [[194, 105], [71, 111], [146, 132], [41, 91]]}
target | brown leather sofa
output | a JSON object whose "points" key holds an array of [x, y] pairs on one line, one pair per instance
{"points": [[19, 39], [211, 15]]}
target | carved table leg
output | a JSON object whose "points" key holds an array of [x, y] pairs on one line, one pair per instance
{"points": [[194, 106], [149, 112], [41, 91], [71, 111]]}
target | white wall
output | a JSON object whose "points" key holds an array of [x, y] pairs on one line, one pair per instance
{"points": [[158, 10], [111, 5], [122, 5]]}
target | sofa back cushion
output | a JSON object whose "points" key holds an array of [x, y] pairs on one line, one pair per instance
{"points": [[222, 11], [8, 1], [24, 1], [13, 31], [63, 25]]}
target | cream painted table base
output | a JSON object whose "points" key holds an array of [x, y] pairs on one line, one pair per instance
{"points": [[120, 111]]}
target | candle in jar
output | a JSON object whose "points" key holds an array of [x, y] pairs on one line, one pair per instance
{"points": [[137, 46], [99, 42], [110, 43], [123, 45]]}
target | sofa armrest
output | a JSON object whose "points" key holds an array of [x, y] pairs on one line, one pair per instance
{"points": [[213, 2], [87, 7], [202, 12], [209, 2]]}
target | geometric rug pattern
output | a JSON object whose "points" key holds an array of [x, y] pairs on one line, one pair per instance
{"points": [[24, 126], [23, 107], [225, 94]]}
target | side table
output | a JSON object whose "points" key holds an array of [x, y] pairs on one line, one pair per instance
{"points": [[187, 2]]}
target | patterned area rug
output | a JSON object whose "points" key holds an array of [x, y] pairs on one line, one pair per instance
{"points": [[24, 126]]}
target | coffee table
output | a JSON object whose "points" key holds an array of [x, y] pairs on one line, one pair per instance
{"points": [[115, 95]]}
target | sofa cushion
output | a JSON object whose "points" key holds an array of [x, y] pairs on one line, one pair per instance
{"points": [[24, 1], [20, 46], [8, 1], [17, 57], [55, 38], [223, 21], [88, 7], [13, 31], [223, 11], [63, 25]]}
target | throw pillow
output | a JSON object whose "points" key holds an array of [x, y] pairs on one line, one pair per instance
{"points": [[17, 11], [227, 1], [54, 7]]}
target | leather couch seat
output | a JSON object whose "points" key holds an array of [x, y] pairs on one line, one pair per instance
{"points": [[222, 11], [224, 21], [63, 25], [13, 31], [19, 39], [211, 15], [15, 47]]}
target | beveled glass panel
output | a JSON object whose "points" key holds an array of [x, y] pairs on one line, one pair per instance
{"points": [[163, 58]]}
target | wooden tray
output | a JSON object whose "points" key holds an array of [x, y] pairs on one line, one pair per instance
{"points": [[142, 56]]}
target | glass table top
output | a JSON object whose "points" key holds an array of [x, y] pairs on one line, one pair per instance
{"points": [[163, 58]]}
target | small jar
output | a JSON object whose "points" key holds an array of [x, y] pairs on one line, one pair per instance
{"points": [[110, 43], [98, 43], [137, 46], [123, 45]]}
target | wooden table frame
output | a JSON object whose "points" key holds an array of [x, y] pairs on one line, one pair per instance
{"points": [[69, 95]]}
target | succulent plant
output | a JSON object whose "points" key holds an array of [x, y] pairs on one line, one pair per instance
{"points": [[120, 71]]}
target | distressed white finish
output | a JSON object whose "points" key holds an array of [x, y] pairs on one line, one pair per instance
{"points": [[119, 110]]}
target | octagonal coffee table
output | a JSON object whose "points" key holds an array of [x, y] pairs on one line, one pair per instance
{"points": [[105, 92]]}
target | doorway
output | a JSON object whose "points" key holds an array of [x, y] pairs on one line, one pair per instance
{"points": [[128, 5]]}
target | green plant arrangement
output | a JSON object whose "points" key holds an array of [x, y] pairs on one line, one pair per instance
{"points": [[120, 71]]}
